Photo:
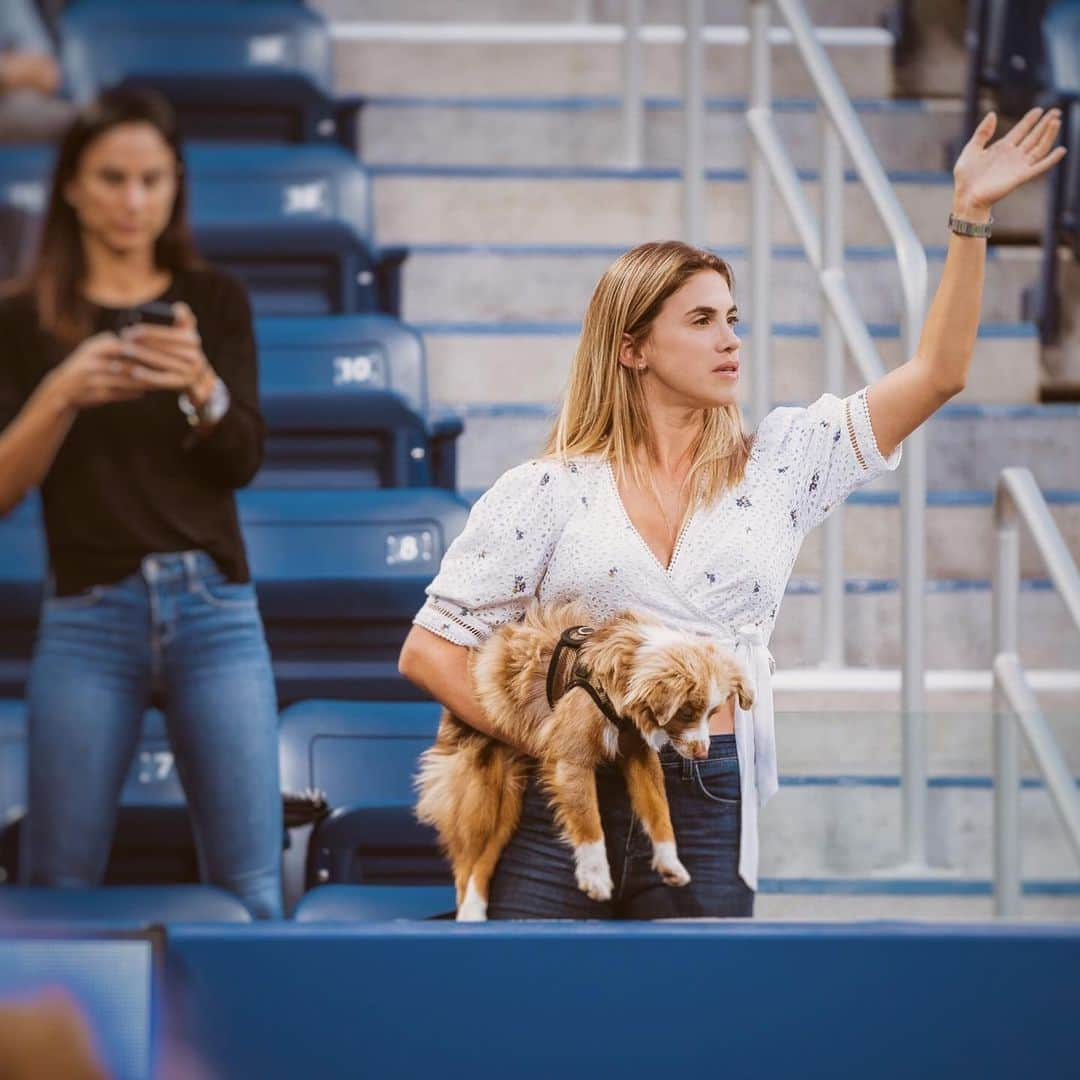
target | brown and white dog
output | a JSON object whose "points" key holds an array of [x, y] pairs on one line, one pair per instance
{"points": [[664, 685]]}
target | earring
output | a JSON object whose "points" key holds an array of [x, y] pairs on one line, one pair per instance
{"points": [[641, 367]]}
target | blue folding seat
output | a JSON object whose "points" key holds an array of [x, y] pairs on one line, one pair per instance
{"points": [[1005, 58], [346, 405], [23, 562], [233, 70], [340, 574], [363, 756], [133, 904], [375, 903], [1061, 37], [152, 840], [295, 223]]}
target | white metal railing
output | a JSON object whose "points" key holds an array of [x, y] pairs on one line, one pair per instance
{"points": [[843, 325], [1015, 706]]}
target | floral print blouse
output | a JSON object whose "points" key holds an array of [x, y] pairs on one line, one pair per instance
{"points": [[558, 530]]}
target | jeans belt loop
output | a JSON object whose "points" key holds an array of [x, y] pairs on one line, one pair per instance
{"points": [[191, 569]]}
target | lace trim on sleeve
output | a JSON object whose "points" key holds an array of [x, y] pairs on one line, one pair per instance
{"points": [[861, 435], [440, 620]]}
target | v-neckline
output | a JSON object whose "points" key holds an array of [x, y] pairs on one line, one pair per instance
{"points": [[666, 570]]}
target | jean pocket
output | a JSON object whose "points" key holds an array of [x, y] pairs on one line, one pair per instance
{"points": [[79, 601], [718, 780], [219, 592]]}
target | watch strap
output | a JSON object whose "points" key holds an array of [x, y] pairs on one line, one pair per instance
{"points": [[980, 229]]}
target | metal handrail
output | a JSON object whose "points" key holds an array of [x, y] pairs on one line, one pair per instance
{"points": [[844, 325], [1017, 496]]}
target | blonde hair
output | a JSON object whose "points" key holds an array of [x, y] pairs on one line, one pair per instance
{"points": [[604, 410]]}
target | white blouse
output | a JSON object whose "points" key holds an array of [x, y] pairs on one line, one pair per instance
{"points": [[559, 531]]}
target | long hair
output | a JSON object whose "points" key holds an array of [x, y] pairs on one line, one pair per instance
{"points": [[604, 410], [59, 268]]}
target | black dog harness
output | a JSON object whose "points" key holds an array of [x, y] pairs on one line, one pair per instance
{"points": [[566, 667]]}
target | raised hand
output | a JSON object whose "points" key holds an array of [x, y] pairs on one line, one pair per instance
{"points": [[985, 173]]}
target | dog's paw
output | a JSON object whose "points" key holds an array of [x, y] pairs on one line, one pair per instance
{"points": [[593, 872], [666, 863], [473, 907]]}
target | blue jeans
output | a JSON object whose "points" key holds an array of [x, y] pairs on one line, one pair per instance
{"points": [[176, 628], [535, 876]]}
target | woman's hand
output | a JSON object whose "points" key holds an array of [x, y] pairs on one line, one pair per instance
{"points": [[96, 373], [170, 357], [983, 174]]}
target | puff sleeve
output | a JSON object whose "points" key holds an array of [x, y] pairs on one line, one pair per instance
{"points": [[828, 450], [492, 570]]}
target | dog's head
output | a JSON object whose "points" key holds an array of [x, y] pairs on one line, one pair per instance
{"points": [[673, 685]]}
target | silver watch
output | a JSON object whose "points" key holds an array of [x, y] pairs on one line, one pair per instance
{"points": [[211, 410], [970, 228]]}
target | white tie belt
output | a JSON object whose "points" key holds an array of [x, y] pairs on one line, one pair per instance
{"points": [[755, 740]]}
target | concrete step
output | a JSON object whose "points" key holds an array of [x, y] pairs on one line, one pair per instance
{"points": [[502, 205], [545, 58], [958, 625], [968, 446], [717, 12], [821, 826], [818, 901], [494, 365], [587, 131], [835, 691], [546, 282], [960, 539], [863, 746]]}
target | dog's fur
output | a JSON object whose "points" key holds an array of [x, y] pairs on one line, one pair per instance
{"points": [[664, 682]]}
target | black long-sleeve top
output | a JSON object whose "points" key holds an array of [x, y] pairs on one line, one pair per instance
{"points": [[130, 479]]}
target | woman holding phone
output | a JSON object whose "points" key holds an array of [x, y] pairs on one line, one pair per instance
{"points": [[128, 395]]}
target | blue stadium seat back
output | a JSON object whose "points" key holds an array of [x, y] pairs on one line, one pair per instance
{"points": [[340, 575], [23, 568], [24, 176], [343, 355], [268, 184], [364, 756], [102, 43], [13, 743], [359, 753], [1061, 34], [327, 440], [133, 904], [303, 187], [1013, 62], [349, 554], [375, 903]]}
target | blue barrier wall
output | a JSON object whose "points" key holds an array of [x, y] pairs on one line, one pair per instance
{"points": [[877, 1001]]}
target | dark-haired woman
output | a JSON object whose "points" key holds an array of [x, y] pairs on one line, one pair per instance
{"points": [[138, 436]]}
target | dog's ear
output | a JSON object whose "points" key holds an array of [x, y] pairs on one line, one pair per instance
{"points": [[741, 687]]}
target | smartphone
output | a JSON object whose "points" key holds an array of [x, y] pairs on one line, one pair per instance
{"points": [[157, 313]]}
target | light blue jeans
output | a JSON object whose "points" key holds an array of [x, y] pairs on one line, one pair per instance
{"points": [[177, 627]]}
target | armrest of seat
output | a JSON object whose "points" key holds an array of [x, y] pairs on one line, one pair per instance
{"points": [[346, 110], [444, 429], [388, 261]]}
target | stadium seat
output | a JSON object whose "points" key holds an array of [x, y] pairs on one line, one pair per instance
{"points": [[340, 574], [363, 756], [1061, 37], [356, 378], [152, 842], [1005, 58], [233, 71], [139, 904], [375, 903], [294, 223]]}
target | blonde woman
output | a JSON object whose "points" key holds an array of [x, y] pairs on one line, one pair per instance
{"points": [[650, 495]]}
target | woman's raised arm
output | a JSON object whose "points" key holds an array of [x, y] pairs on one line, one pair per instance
{"points": [[985, 173]]}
